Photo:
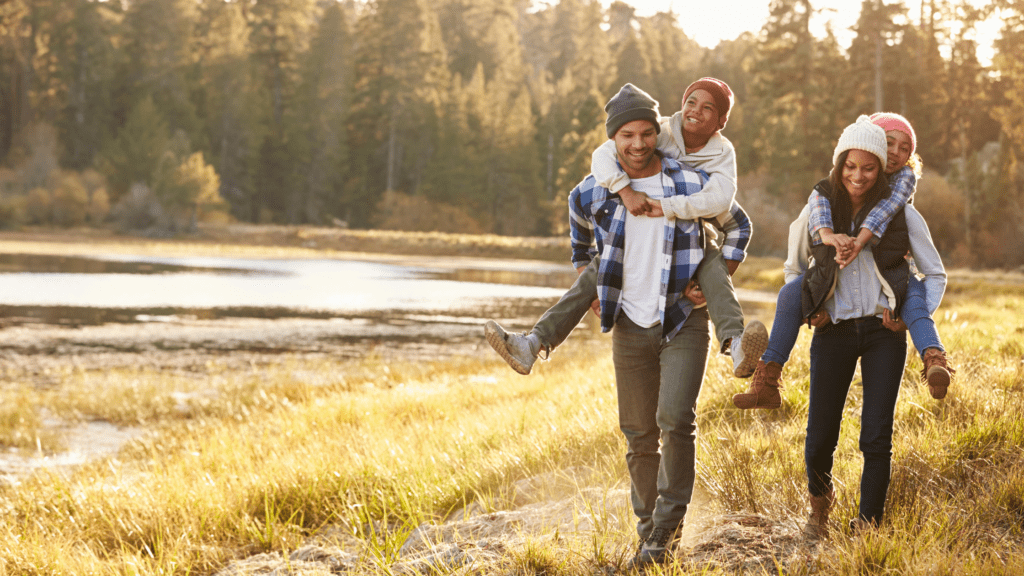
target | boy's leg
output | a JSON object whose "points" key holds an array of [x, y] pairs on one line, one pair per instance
{"points": [[922, 330], [521, 350], [558, 322], [745, 346]]}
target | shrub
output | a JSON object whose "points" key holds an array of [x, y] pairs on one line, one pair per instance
{"points": [[70, 201], [419, 214], [38, 206]]}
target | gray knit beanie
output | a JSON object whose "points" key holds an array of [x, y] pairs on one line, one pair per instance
{"points": [[862, 135], [631, 103]]}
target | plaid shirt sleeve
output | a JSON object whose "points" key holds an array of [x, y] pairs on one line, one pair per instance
{"points": [[737, 228], [821, 216], [903, 183], [581, 226]]}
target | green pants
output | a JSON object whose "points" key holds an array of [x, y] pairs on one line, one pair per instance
{"points": [[558, 322]]}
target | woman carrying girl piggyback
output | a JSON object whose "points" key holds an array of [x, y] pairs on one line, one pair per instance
{"points": [[853, 301], [902, 168]]}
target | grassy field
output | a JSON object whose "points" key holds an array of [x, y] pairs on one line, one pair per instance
{"points": [[356, 455]]}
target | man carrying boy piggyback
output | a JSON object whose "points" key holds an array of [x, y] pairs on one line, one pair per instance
{"points": [[649, 299], [693, 136]]}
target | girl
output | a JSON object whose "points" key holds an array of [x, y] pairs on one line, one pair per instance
{"points": [[902, 167]]}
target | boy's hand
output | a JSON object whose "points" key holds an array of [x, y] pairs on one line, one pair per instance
{"points": [[894, 324], [635, 202], [654, 209], [694, 294]]}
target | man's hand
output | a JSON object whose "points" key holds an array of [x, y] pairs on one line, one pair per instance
{"points": [[819, 318], [595, 307], [892, 323], [635, 202], [732, 265], [694, 294]]}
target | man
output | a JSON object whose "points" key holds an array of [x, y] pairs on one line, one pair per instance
{"points": [[692, 135], [649, 301]]}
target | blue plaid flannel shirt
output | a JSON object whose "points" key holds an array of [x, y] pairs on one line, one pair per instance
{"points": [[598, 217], [903, 183]]}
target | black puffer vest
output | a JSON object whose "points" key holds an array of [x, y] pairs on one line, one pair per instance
{"points": [[890, 258]]}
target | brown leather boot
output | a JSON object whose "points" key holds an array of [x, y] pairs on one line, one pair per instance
{"points": [[764, 388], [936, 372], [817, 524]]}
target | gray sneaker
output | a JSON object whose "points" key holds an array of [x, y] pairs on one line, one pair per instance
{"points": [[657, 549], [515, 348], [747, 349]]}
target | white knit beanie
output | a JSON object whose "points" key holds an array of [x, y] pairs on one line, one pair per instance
{"points": [[862, 135]]}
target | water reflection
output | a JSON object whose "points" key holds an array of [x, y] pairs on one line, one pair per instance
{"points": [[123, 289]]}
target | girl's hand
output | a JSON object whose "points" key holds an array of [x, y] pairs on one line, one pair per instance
{"points": [[894, 324]]}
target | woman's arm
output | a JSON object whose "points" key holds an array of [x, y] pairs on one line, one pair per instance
{"points": [[927, 258]]}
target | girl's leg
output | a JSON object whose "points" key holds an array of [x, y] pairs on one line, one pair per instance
{"points": [[919, 322], [764, 387], [922, 330], [786, 327]]}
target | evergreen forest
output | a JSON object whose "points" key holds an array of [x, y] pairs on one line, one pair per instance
{"points": [[476, 116]]}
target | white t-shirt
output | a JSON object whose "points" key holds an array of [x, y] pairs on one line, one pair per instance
{"points": [[642, 259]]}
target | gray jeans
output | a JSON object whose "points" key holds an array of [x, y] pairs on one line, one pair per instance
{"points": [[658, 384], [558, 322]]}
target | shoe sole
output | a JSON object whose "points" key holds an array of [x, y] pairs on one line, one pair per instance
{"points": [[496, 338], [755, 342], [938, 382]]}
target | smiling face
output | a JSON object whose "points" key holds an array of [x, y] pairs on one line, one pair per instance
{"points": [[899, 149], [860, 172], [700, 114], [635, 143]]}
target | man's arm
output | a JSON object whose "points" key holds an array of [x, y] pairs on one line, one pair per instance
{"points": [[581, 228], [736, 226]]}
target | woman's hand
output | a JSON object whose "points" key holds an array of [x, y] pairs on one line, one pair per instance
{"points": [[819, 318], [694, 294], [891, 322]]}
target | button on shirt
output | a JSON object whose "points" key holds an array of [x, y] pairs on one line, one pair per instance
{"points": [[859, 291]]}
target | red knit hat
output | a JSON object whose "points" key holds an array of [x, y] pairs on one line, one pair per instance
{"points": [[719, 91], [892, 121]]}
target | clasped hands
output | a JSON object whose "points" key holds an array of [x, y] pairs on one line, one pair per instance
{"points": [[847, 248], [640, 204]]}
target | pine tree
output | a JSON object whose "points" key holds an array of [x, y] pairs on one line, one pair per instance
{"points": [[230, 102], [325, 96]]}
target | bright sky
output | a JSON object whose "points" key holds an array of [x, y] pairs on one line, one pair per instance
{"points": [[710, 22]]}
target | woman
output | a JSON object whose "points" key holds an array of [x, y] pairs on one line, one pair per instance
{"points": [[849, 307]]}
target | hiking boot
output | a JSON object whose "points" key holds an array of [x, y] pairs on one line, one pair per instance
{"points": [[817, 525], [518, 349], [936, 373], [860, 525], [657, 549], [746, 349], [764, 388]]}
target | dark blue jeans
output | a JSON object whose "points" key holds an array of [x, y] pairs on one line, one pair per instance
{"points": [[835, 350]]}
